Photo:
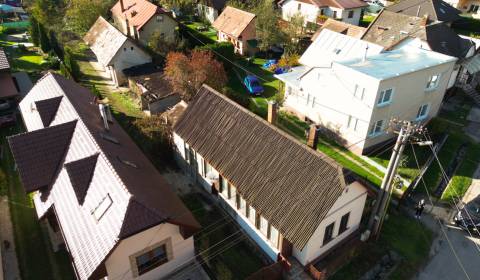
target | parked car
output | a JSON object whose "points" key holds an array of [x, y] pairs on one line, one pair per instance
{"points": [[7, 120], [253, 85], [468, 218]]}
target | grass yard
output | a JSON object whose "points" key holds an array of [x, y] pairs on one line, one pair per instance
{"points": [[35, 256], [210, 33], [226, 260], [366, 20], [404, 235]]}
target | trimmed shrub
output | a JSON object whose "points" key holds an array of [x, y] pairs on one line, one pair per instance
{"points": [[241, 98]]}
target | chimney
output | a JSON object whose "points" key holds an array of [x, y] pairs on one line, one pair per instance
{"points": [[365, 54], [122, 6], [312, 137], [424, 20], [272, 112], [128, 26]]}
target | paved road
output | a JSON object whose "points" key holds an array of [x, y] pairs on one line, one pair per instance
{"points": [[443, 263]]}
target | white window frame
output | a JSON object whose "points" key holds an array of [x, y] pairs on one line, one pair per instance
{"points": [[432, 85], [252, 215], [373, 131], [381, 99], [274, 234], [243, 206], [102, 208], [263, 226], [425, 115]]}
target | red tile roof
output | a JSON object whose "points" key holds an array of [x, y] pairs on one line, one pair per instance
{"points": [[138, 12]]}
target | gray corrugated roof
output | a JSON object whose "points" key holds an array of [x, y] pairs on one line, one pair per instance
{"points": [[290, 184], [436, 10]]}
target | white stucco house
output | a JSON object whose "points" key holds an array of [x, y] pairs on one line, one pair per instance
{"points": [[114, 51], [94, 189], [140, 19], [257, 173], [210, 9], [353, 88], [349, 11]]}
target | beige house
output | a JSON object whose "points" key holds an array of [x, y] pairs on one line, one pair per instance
{"points": [[139, 19], [467, 6], [353, 88], [257, 174], [238, 27], [95, 190], [114, 51]]}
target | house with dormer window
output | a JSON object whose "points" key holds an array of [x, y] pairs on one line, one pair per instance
{"points": [[96, 192]]}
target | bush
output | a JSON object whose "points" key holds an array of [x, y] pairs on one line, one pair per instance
{"points": [[52, 61], [71, 64], [223, 50], [240, 98]]}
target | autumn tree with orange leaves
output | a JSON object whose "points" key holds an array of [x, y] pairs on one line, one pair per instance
{"points": [[187, 73]]}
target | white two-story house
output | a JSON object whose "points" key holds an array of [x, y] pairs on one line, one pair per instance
{"points": [[349, 11], [355, 95], [259, 175], [94, 189]]}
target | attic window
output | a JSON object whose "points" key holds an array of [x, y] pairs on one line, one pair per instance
{"points": [[126, 162], [109, 138], [102, 207], [159, 18]]}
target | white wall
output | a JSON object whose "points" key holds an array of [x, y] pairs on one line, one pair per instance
{"points": [[352, 201], [308, 11], [208, 12], [119, 262], [126, 58]]}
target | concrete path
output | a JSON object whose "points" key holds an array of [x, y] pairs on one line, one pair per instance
{"points": [[474, 189], [8, 255]]}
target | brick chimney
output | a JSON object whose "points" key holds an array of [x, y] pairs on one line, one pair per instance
{"points": [[122, 6], [272, 112], [312, 137]]}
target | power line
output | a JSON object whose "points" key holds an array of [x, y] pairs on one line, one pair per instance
{"points": [[439, 222]]}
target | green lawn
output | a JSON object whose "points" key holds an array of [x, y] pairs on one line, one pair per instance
{"points": [[35, 257], [366, 20], [237, 261], [210, 33], [404, 235]]}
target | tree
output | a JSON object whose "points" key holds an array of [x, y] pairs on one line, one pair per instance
{"points": [[47, 12], [44, 41], [159, 45], [81, 14], [187, 73], [268, 32], [295, 31], [34, 31]]}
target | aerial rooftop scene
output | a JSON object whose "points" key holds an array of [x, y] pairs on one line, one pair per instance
{"points": [[239, 139]]}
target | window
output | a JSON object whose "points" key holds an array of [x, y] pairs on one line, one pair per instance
{"points": [[263, 226], [328, 233], [102, 207], [433, 82], [377, 128], [224, 187], [422, 112], [151, 259], [356, 125], [299, 7], [159, 18], [252, 215], [207, 168], [131, 48], [349, 122], [242, 205], [322, 12], [355, 89], [233, 194], [334, 14], [274, 236], [124, 49], [350, 14], [385, 97], [344, 223]]}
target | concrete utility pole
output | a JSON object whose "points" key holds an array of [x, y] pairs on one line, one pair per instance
{"points": [[380, 208]]}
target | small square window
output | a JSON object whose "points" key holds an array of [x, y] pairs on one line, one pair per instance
{"points": [[377, 128], [131, 48], [151, 259], [433, 82], [385, 97], [344, 223], [350, 14], [159, 18], [422, 112], [299, 7]]}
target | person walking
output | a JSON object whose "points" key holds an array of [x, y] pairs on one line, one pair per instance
{"points": [[419, 209]]}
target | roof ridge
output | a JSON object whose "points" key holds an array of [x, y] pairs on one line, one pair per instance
{"points": [[315, 152]]}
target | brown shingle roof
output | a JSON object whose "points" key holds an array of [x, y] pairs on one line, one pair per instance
{"points": [[80, 173], [436, 10], [47, 109], [233, 21], [40, 154], [288, 183], [340, 27], [4, 65], [138, 12], [7, 86]]}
